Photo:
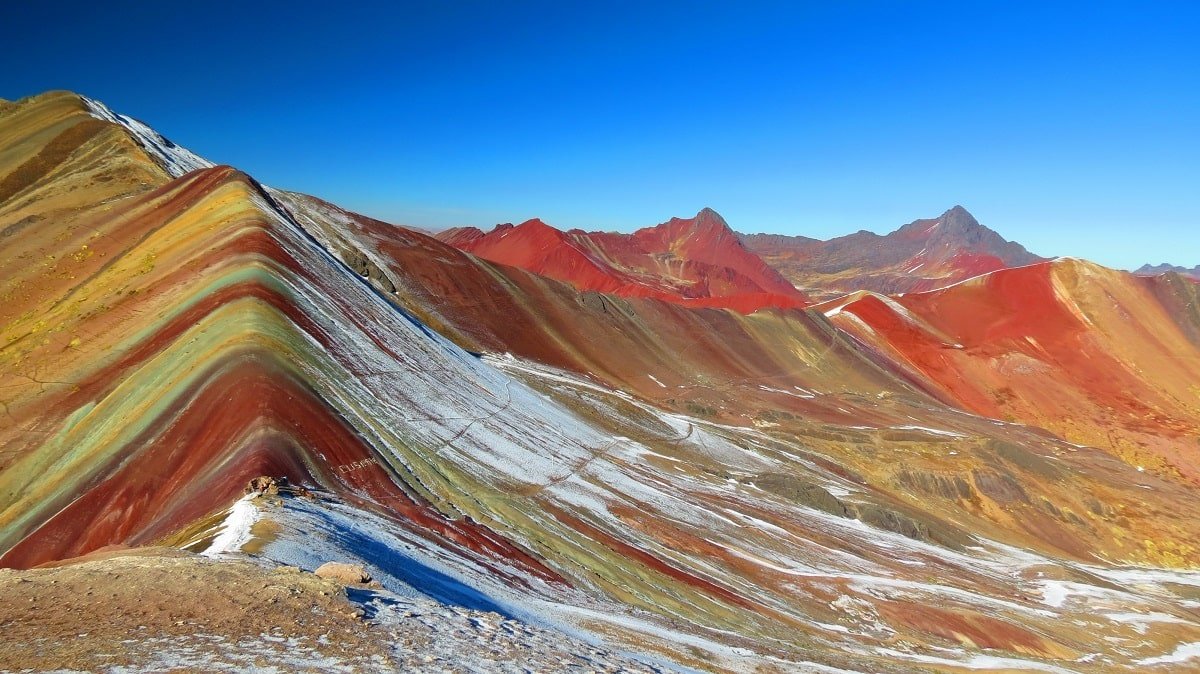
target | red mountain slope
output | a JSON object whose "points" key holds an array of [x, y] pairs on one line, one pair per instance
{"points": [[1098, 356], [693, 261]]}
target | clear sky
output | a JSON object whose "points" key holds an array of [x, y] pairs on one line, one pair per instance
{"points": [[1073, 128]]}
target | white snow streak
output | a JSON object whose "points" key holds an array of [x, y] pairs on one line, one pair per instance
{"points": [[235, 531]]}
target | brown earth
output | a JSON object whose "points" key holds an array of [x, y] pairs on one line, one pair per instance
{"points": [[164, 610], [99, 611]]}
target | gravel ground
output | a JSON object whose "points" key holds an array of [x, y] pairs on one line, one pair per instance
{"points": [[164, 610]]}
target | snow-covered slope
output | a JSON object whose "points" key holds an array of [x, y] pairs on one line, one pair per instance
{"points": [[174, 159]]}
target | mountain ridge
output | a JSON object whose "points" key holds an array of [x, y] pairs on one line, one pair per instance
{"points": [[698, 261], [1167, 268], [945, 250], [921, 255]]}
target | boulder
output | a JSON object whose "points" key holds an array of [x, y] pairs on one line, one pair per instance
{"points": [[343, 572]]}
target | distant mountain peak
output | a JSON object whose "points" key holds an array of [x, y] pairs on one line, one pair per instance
{"points": [[706, 228], [958, 217], [1165, 268], [536, 223], [920, 255], [705, 215], [698, 261], [954, 221], [708, 219]]}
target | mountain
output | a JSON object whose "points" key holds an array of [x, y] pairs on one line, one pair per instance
{"points": [[1164, 268], [994, 344], [992, 475], [700, 261], [922, 255], [695, 261]]}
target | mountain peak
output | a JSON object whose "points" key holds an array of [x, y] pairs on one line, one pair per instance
{"points": [[955, 225], [706, 229], [958, 232], [958, 219], [709, 220], [535, 223]]}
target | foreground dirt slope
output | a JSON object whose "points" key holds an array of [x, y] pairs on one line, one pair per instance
{"points": [[123, 610]]}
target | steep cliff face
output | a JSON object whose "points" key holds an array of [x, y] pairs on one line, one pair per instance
{"points": [[790, 488], [922, 255]]}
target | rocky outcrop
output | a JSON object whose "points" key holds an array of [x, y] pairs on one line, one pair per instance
{"points": [[951, 487], [999, 487], [366, 268], [263, 485], [799, 490]]}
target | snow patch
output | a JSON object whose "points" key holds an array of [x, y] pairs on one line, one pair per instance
{"points": [[935, 431], [235, 530], [1182, 653], [176, 160]]}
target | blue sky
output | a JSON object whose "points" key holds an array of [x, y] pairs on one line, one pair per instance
{"points": [[1073, 128]]}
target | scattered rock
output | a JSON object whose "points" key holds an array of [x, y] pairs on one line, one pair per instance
{"points": [[263, 485], [343, 572]]}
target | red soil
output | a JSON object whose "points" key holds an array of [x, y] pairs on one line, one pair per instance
{"points": [[695, 262]]}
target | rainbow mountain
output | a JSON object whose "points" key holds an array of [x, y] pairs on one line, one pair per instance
{"points": [[996, 475]]}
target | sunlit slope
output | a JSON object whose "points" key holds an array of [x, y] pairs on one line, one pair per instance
{"points": [[170, 344], [791, 375], [696, 262], [1098, 356], [718, 362]]}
